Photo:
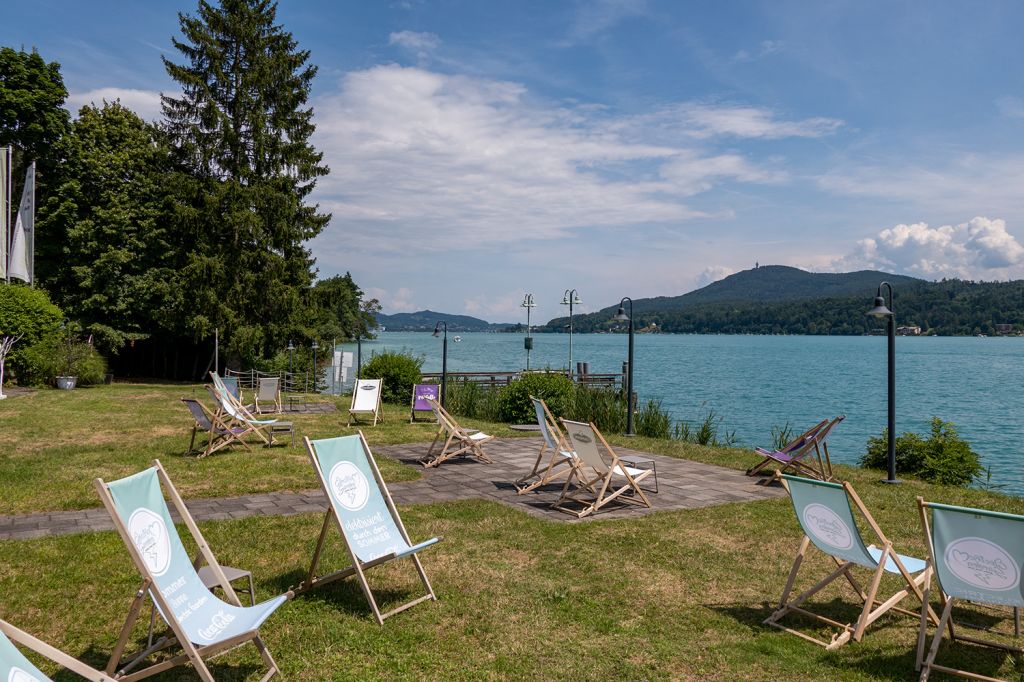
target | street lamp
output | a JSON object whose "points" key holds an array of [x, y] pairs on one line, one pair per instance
{"points": [[444, 355], [528, 341], [291, 353], [621, 316], [314, 347], [570, 298], [880, 310]]}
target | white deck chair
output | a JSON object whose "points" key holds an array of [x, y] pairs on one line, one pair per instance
{"points": [[362, 510], [268, 396], [561, 459], [14, 667], [366, 400], [601, 478], [456, 440]]}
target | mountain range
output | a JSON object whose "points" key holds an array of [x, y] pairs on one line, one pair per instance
{"points": [[425, 320]]}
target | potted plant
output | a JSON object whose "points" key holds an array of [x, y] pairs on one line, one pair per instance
{"points": [[68, 380]]}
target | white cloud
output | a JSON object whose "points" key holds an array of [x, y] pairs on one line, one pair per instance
{"points": [[765, 49], [145, 103], [398, 301], [455, 162], [505, 307], [713, 273], [594, 17], [978, 249], [707, 120], [420, 44]]}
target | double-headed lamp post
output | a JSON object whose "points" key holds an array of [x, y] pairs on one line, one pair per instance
{"points": [[441, 324], [570, 298], [314, 346], [880, 310], [621, 316], [528, 341], [291, 353]]}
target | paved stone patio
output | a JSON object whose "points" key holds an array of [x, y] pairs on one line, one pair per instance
{"points": [[682, 484]]}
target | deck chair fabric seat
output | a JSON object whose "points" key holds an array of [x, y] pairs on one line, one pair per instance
{"points": [[218, 434], [201, 623], [238, 415], [15, 667], [560, 456], [455, 440], [366, 400], [806, 455], [599, 477], [977, 556], [268, 396], [785, 452], [825, 512], [365, 515], [420, 395]]}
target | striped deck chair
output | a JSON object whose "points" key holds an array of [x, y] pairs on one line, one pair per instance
{"points": [[366, 396], [810, 459], [199, 623], [364, 513], [218, 434], [769, 456], [825, 513], [977, 556], [561, 459], [601, 477], [420, 393], [458, 441], [14, 667]]}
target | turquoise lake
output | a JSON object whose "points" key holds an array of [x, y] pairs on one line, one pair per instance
{"points": [[757, 382]]}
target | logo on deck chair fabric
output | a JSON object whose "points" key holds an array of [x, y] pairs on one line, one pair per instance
{"points": [[982, 563], [350, 487], [827, 526], [19, 675], [582, 438], [368, 387], [149, 533]]}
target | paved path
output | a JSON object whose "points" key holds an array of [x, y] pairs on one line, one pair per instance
{"points": [[682, 484]]}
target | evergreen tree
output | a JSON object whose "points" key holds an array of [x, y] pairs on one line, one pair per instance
{"points": [[241, 129]]}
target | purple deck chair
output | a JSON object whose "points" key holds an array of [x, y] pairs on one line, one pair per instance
{"points": [[421, 394], [806, 455]]}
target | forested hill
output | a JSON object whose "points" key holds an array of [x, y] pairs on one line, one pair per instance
{"points": [[755, 302], [424, 321]]}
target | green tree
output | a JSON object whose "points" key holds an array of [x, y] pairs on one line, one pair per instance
{"points": [[241, 129]]}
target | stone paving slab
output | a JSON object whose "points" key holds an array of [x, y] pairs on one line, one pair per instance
{"points": [[682, 484]]}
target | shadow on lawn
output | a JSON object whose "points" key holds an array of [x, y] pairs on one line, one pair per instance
{"points": [[346, 593], [96, 658]]}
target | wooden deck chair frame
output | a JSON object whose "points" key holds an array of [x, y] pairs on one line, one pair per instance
{"points": [[457, 441], [872, 608], [377, 412], [219, 435], [228, 420], [557, 464], [412, 405], [19, 636], [925, 662], [595, 476], [270, 405], [358, 568], [812, 460], [791, 446], [196, 655]]}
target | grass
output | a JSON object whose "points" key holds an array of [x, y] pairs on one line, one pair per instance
{"points": [[671, 595]]}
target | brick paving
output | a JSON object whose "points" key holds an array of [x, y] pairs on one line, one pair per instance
{"points": [[682, 484]]}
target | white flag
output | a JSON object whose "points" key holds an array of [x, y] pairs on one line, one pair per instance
{"points": [[20, 250], [5, 170]]}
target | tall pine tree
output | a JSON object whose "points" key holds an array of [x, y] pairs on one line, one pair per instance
{"points": [[241, 130]]}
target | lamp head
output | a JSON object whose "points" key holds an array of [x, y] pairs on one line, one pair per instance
{"points": [[437, 330], [291, 346], [621, 316], [880, 310], [315, 345]]}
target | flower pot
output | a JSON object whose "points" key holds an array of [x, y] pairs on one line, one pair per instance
{"points": [[66, 383]]}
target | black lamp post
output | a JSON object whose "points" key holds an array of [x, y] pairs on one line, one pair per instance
{"points": [[528, 341], [444, 355], [880, 310], [621, 316], [570, 298], [291, 353], [314, 347]]}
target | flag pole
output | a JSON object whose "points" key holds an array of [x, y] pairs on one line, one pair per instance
{"points": [[9, 152], [32, 233]]}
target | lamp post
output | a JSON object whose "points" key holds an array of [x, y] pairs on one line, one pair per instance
{"points": [[621, 316], [880, 310], [444, 355], [314, 347], [291, 353], [528, 341], [570, 298]]}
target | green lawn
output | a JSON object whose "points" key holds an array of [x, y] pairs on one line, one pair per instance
{"points": [[672, 595]]}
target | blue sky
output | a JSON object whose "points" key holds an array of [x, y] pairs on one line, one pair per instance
{"points": [[483, 150]]}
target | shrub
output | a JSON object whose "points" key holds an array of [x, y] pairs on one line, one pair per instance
{"points": [[514, 399], [41, 362], [399, 370], [943, 458], [29, 312]]}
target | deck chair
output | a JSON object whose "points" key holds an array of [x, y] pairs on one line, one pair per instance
{"points": [[199, 623], [218, 434], [810, 459], [786, 451], [601, 478], [977, 556], [241, 416], [457, 441], [268, 396], [825, 513], [364, 513], [14, 667], [420, 393], [366, 400], [561, 459]]}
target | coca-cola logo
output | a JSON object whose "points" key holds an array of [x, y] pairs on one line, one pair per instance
{"points": [[982, 563], [827, 526], [218, 624]]}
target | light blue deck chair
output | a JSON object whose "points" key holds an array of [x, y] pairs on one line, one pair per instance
{"points": [[825, 512], [199, 622], [364, 513], [14, 667], [561, 458], [977, 556], [231, 384]]}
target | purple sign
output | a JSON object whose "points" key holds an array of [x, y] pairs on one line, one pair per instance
{"points": [[420, 393]]}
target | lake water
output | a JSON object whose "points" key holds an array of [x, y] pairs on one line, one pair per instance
{"points": [[757, 382]]}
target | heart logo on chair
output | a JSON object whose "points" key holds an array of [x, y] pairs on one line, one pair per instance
{"points": [[19, 675], [149, 533]]}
